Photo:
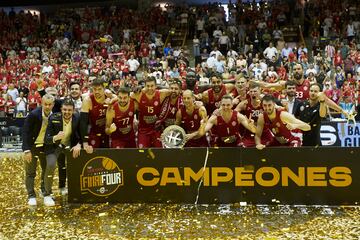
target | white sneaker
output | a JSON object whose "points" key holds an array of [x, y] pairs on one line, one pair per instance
{"points": [[32, 201], [48, 201], [63, 191]]}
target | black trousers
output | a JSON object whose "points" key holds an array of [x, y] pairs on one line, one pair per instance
{"points": [[62, 170], [30, 171]]}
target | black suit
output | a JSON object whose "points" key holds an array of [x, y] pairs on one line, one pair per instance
{"points": [[55, 126], [297, 103], [30, 132], [31, 128], [55, 151]]}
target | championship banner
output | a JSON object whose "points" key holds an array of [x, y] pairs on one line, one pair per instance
{"points": [[327, 176]]}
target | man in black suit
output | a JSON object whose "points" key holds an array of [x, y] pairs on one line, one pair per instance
{"points": [[56, 109], [33, 144], [291, 103], [312, 111], [62, 133]]}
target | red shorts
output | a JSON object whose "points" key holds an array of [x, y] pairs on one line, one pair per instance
{"points": [[98, 140], [149, 139]]}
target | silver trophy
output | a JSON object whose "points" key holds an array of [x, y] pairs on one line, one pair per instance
{"points": [[173, 137]]}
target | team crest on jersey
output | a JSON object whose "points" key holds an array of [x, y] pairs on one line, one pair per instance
{"points": [[156, 103], [131, 113], [305, 88], [302, 108], [195, 116], [233, 123], [278, 124]]}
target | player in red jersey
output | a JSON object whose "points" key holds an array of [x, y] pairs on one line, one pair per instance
{"points": [[239, 93], [212, 97], [120, 120], [175, 103], [189, 117], [252, 108], [280, 122], [302, 85], [93, 110], [226, 125], [151, 113]]}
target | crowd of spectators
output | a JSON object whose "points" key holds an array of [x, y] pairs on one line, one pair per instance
{"points": [[79, 45]]}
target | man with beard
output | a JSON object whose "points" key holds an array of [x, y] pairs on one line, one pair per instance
{"points": [[120, 120], [62, 132], [226, 125], [302, 85], [280, 122], [75, 95], [212, 97], [189, 117], [291, 103], [252, 108], [174, 104], [151, 114], [93, 110], [312, 111]]}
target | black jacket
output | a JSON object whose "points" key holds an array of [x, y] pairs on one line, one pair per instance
{"points": [[296, 106], [55, 125], [31, 128]]}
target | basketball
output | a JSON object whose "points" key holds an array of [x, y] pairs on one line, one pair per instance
{"points": [[108, 164]]}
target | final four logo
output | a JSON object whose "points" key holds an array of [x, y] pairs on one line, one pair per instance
{"points": [[101, 176]]}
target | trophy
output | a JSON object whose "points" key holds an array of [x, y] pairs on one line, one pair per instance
{"points": [[173, 136]]}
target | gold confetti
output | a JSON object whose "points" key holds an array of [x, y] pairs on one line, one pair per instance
{"points": [[151, 153], [161, 221]]}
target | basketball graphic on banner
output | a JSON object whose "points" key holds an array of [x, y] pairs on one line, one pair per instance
{"points": [[108, 164]]}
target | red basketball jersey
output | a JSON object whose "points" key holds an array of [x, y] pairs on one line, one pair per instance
{"points": [[278, 128], [190, 123], [227, 133], [213, 102], [97, 116], [124, 121], [303, 90], [171, 116], [149, 110]]}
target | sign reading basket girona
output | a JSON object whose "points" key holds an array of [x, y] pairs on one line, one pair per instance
{"points": [[328, 175]]}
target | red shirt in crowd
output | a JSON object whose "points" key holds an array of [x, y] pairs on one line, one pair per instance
{"points": [[337, 59]]}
